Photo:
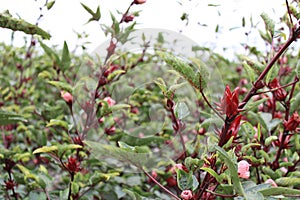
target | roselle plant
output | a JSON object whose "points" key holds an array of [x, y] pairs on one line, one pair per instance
{"points": [[149, 122]]}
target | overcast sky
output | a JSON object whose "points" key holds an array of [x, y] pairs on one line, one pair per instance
{"points": [[68, 15]]}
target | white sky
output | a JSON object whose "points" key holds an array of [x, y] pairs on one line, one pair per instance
{"points": [[68, 15]]}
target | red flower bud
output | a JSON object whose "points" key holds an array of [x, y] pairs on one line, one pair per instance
{"points": [[139, 1], [67, 97], [171, 181], [128, 18], [279, 94], [293, 123], [229, 103], [73, 165], [10, 184]]}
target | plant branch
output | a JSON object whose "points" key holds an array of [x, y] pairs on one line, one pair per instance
{"points": [[160, 185], [255, 87], [208, 103]]}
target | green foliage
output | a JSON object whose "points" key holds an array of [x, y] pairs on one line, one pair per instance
{"points": [[10, 118], [7, 21]]}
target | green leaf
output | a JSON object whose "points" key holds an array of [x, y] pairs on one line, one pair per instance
{"points": [[45, 149], [52, 54], [193, 163], [288, 181], [10, 118], [50, 4], [133, 155], [254, 65], [98, 177], [87, 9], [295, 103], [232, 166], [62, 86], [268, 171], [7, 21], [65, 58], [181, 110], [95, 15], [115, 73], [57, 122], [197, 79], [184, 180], [252, 104], [119, 106], [213, 173], [269, 23], [65, 147], [270, 139], [279, 191], [250, 71], [133, 195], [137, 141], [273, 73]]}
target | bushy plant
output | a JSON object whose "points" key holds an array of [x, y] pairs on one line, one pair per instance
{"points": [[144, 120]]}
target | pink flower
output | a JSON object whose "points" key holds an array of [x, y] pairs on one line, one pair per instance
{"points": [[186, 194], [67, 97], [178, 166], [110, 101], [271, 182], [243, 169], [139, 1]]}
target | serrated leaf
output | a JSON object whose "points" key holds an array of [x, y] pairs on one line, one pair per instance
{"points": [[10, 118], [62, 86], [269, 23], [279, 191], [161, 84], [65, 58], [7, 21], [57, 122], [255, 65], [45, 149], [232, 166], [288, 181], [197, 79]]}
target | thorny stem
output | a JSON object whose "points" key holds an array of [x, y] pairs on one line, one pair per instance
{"points": [[160, 185]]}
